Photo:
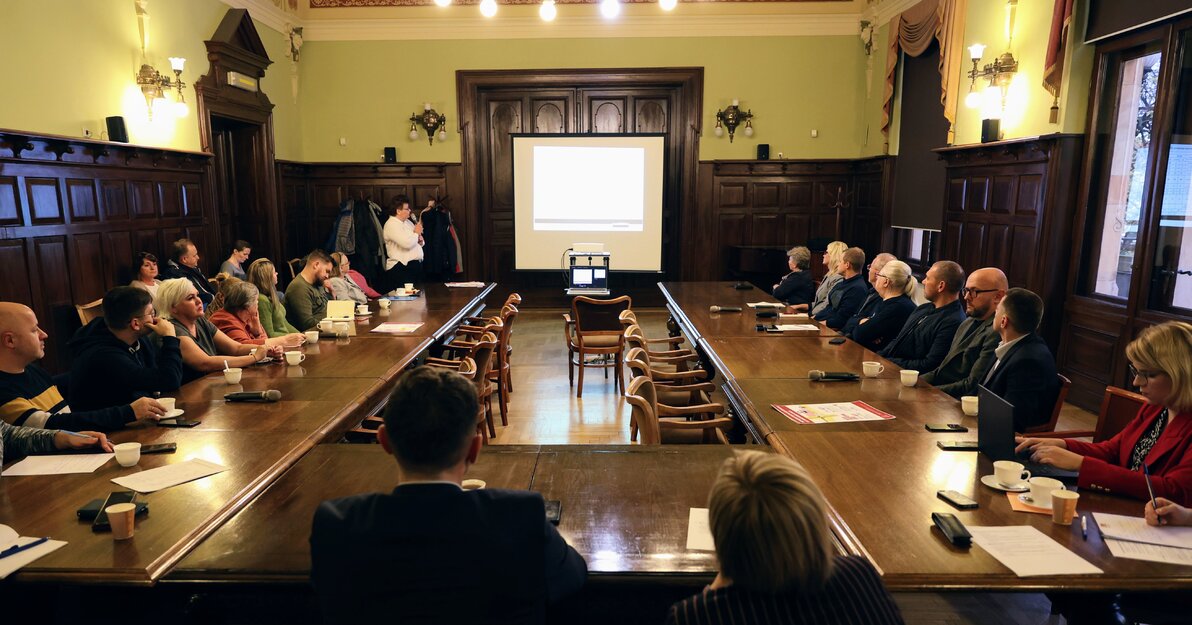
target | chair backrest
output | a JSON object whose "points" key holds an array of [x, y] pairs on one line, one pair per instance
{"points": [[295, 265], [90, 310], [482, 354], [638, 361], [635, 338], [598, 316], [514, 299], [508, 316], [1065, 384], [628, 318], [643, 401], [1118, 407]]}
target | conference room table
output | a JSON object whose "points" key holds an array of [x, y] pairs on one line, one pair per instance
{"points": [[880, 477]]}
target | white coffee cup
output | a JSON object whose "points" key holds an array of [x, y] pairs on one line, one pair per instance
{"points": [[326, 325], [127, 454], [1009, 473], [409, 286], [383, 303], [909, 377], [362, 309], [122, 518], [295, 357], [341, 329], [168, 403], [312, 336], [872, 369], [968, 404], [232, 376], [1041, 488]]}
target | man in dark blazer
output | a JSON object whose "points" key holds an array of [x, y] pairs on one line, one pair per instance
{"points": [[846, 297], [430, 551], [971, 354], [1024, 372], [927, 334], [871, 297], [184, 263]]}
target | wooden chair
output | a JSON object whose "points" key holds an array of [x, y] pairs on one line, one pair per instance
{"points": [[90, 310], [629, 318], [1118, 407], [1065, 384], [680, 389], [655, 430], [678, 358], [295, 265], [480, 354], [594, 329]]}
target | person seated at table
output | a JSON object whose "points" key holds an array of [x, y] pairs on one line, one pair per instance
{"points": [[115, 362], [777, 564], [1159, 437], [234, 265], [204, 347], [270, 309], [306, 299], [971, 354], [1166, 512], [894, 286], [431, 551], [1023, 371], [848, 294], [146, 279], [832, 275], [796, 287], [345, 269], [342, 286], [17, 441], [871, 297], [29, 397], [240, 317], [185, 264], [927, 334]]}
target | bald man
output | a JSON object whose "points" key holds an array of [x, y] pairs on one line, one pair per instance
{"points": [[871, 300], [972, 352], [28, 396]]}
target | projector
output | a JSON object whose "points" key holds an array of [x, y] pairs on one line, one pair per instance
{"points": [[587, 247]]}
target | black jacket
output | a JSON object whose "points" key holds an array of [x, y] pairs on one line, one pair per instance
{"points": [[968, 360], [884, 323], [435, 553], [926, 337], [864, 312], [1027, 378], [796, 288], [844, 301], [439, 259], [194, 274], [106, 371]]}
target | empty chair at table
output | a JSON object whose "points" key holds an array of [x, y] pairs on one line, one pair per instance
{"points": [[658, 423], [594, 329]]}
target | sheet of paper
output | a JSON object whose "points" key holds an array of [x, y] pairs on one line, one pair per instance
{"points": [[1029, 552], [841, 412], [9, 538], [791, 327], [58, 464], [1135, 529], [393, 327], [169, 475], [699, 531], [1150, 553], [465, 285], [765, 304]]}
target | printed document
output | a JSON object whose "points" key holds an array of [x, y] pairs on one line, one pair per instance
{"points": [[58, 464], [1150, 553], [1135, 529], [1029, 552], [699, 530], [169, 475]]}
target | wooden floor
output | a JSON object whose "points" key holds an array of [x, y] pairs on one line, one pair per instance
{"points": [[544, 410]]}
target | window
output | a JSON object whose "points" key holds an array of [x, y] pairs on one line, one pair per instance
{"points": [[1171, 277]]}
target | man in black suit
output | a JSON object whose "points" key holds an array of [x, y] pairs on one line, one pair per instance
{"points": [[927, 334], [971, 354], [184, 263], [871, 297], [1024, 373], [430, 551], [846, 297]]}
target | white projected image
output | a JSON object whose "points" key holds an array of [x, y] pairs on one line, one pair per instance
{"points": [[589, 189]]}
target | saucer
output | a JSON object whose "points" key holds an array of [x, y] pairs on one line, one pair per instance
{"points": [[1026, 499], [991, 481], [173, 414]]}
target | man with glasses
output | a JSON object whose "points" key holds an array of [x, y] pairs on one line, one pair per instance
{"points": [[971, 354], [924, 340], [115, 360]]}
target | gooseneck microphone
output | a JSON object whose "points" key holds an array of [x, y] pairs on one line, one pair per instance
{"points": [[832, 376], [724, 308], [269, 395]]}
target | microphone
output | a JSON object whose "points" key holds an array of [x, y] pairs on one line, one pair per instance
{"points": [[269, 395], [724, 308], [832, 376]]}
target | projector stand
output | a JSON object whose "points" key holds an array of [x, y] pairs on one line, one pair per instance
{"points": [[595, 260]]}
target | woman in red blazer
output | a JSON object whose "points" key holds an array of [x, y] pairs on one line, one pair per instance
{"points": [[1159, 437]]}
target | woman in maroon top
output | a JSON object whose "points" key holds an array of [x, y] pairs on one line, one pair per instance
{"points": [[240, 317], [1160, 437]]}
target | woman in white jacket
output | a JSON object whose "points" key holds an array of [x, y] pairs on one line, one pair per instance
{"points": [[403, 246]]}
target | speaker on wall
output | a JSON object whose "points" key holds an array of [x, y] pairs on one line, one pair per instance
{"points": [[116, 129], [763, 151], [390, 155]]}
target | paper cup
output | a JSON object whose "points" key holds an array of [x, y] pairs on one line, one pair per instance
{"points": [[122, 518], [968, 404], [1063, 506], [127, 454], [232, 376]]}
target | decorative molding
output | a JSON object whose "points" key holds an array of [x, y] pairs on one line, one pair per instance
{"points": [[268, 13], [884, 10], [327, 4]]}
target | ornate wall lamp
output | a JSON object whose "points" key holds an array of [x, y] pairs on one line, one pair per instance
{"points": [[431, 121], [999, 73], [731, 117], [154, 84]]}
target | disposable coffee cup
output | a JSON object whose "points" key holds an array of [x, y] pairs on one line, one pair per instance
{"points": [[127, 454], [872, 369], [383, 303], [1009, 473], [1063, 506], [168, 403], [910, 377], [121, 516], [968, 404], [409, 286], [295, 358], [312, 336], [473, 484], [232, 376]]}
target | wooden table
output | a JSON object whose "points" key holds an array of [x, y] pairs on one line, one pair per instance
{"points": [[690, 302]]}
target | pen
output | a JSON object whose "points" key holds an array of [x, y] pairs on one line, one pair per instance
{"points": [[1146, 472], [15, 549], [77, 434], [1084, 527]]}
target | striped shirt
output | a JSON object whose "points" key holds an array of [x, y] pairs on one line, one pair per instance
{"points": [[854, 594]]}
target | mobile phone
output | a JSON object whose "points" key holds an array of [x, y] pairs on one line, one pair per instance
{"points": [[931, 427], [176, 423], [774, 329], [958, 445], [554, 511], [160, 448], [958, 499], [837, 341], [100, 524], [91, 510]]}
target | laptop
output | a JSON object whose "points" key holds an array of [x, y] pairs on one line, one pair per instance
{"points": [[588, 280], [995, 436]]}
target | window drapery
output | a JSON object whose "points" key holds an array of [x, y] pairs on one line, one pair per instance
{"points": [[912, 32]]}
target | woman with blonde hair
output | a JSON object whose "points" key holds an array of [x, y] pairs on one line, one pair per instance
{"points": [[204, 347], [894, 285], [342, 286], [832, 258], [263, 275], [1159, 438], [240, 316], [770, 528]]}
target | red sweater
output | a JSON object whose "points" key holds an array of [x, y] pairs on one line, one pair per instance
{"points": [[1170, 460], [237, 330]]}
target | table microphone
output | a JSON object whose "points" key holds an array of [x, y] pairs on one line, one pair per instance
{"points": [[269, 395], [832, 376], [724, 308]]}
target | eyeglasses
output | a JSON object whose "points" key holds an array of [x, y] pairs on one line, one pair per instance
{"points": [[882, 275], [152, 315], [966, 292], [1148, 375]]}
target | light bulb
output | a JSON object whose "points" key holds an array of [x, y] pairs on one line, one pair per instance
{"points": [[719, 131], [976, 51], [972, 100], [176, 63], [668, 5], [413, 135], [610, 8], [181, 109], [443, 3], [488, 8], [442, 135], [749, 131], [547, 11]]}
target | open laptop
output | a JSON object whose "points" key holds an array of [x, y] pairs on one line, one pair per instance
{"points": [[995, 436], [588, 280]]}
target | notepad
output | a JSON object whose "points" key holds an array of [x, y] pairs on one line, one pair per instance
{"points": [[792, 327], [10, 538], [1150, 553], [1135, 529], [1029, 552], [58, 464], [169, 475], [765, 305], [699, 531], [465, 285], [393, 327]]}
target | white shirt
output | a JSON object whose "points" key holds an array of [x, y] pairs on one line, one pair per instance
{"points": [[1000, 352], [401, 243]]}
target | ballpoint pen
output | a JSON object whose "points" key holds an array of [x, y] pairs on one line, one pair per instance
{"points": [[1146, 472], [77, 434], [1084, 526], [15, 549]]}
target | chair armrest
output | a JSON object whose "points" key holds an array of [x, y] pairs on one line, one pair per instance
{"points": [[721, 423], [667, 376], [706, 387], [684, 411], [672, 357], [673, 340], [567, 319], [442, 362], [470, 330]]}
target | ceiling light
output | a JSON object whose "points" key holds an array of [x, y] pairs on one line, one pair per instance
{"points": [[488, 8], [668, 5], [547, 11], [443, 3], [610, 8]]}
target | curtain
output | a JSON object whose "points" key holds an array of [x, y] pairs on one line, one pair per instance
{"points": [[1057, 40], [912, 32]]}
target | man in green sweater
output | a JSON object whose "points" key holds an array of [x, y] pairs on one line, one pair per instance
{"points": [[306, 300]]}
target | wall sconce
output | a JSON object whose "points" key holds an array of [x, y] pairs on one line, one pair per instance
{"points": [[999, 73], [154, 84], [431, 121], [732, 117]]}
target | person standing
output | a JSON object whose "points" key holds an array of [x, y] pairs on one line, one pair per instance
{"points": [[403, 246]]}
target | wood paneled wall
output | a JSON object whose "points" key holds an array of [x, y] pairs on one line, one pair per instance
{"points": [[73, 213]]}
